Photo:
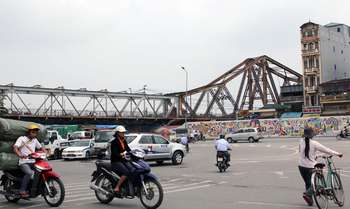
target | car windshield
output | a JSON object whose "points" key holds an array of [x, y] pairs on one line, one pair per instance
{"points": [[65, 144], [80, 144], [77, 135], [181, 131], [104, 136], [129, 138]]}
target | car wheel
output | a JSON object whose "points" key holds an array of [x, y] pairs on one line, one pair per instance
{"points": [[229, 140], [87, 155], [160, 162], [177, 158], [250, 139], [56, 154]]}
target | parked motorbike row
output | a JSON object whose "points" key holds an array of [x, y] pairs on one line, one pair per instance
{"points": [[47, 183]]}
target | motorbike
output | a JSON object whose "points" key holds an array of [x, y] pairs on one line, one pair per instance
{"points": [[143, 184], [222, 161], [45, 182], [343, 135]]}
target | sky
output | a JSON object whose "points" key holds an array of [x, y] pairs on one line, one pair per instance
{"points": [[122, 44]]}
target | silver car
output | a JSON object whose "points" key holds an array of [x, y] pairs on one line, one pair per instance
{"points": [[157, 148], [245, 134]]}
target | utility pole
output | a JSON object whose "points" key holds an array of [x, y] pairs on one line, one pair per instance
{"points": [[184, 69]]}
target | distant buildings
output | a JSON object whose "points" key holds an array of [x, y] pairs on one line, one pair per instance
{"points": [[326, 58]]}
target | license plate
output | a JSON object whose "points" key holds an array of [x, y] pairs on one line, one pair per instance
{"points": [[220, 159], [71, 155]]}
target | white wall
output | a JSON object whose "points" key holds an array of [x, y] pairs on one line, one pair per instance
{"points": [[330, 39]]}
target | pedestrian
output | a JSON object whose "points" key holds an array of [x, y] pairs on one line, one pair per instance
{"points": [[184, 141], [307, 160]]}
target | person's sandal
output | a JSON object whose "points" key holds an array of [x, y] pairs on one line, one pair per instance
{"points": [[24, 195], [308, 199]]}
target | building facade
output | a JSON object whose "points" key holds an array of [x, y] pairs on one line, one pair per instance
{"points": [[325, 57]]}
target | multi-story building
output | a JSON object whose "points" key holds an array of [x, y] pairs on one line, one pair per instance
{"points": [[325, 56], [335, 97]]}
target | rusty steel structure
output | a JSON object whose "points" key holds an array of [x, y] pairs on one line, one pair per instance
{"points": [[249, 82], [38, 102]]}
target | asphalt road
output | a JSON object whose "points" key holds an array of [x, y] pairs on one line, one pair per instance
{"points": [[262, 176]]}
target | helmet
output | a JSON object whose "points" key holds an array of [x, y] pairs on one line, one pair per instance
{"points": [[120, 129], [308, 132], [33, 127], [222, 136]]}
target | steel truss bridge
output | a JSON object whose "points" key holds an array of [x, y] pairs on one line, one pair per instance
{"points": [[241, 88]]}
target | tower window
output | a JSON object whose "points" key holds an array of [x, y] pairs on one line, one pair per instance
{"points": [[338, 29], [333, 48]]}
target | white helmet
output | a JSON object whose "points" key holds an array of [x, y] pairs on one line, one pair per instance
{"points": [[120, 129]]}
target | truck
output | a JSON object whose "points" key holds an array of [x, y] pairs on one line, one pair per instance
{"points": [[54, 144]]}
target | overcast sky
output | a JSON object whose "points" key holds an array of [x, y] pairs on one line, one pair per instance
{"points": [[121, 44]]}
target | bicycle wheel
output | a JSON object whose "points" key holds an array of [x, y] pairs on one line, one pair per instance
{"points": [[338, 190], [320, 194]]}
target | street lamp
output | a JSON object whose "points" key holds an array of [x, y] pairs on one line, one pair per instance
{"points": [[184, 69]]}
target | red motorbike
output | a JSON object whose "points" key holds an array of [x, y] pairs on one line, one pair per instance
{"points": [[45, 182]]}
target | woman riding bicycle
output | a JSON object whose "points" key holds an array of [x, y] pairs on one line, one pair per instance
{"points": [[307, 160]]}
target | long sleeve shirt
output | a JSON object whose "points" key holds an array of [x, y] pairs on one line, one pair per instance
{"points": [[118, 147], [314, 148]]}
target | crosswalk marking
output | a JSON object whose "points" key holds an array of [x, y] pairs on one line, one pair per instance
{"points": [[186, 189], [79, 192]]}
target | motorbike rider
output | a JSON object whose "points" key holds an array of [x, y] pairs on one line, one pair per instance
{"points": [[308, 149], [222, 147], [24, 146], [118, 150]]}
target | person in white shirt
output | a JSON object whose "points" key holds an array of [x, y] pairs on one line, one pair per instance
{"points": [[184, 141], [24, 146], [308, 149], [222, 147]]}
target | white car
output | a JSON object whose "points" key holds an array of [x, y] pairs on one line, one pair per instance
{"points": [[157, 148], [79, 149], [245, 134]]}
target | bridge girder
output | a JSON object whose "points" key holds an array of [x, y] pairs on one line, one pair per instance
{"points": [[256, 83], [59, 102]]}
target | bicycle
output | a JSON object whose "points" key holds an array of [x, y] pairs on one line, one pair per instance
{"points": [[329, 187]]}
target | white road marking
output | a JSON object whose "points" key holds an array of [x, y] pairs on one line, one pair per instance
{"points": [[268, 145], [223, 182], [91, 193], [174, 180], [283, 146], [33, 206], [170, 184], [78, 199], [186, 189], [345, 175], [77, 189], [270, 204], [186, 185]]}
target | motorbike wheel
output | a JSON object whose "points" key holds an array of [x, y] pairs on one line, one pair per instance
{"points": [[55, 196], [105, 184], [220, 167], [154, 189], [7, 188]]}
